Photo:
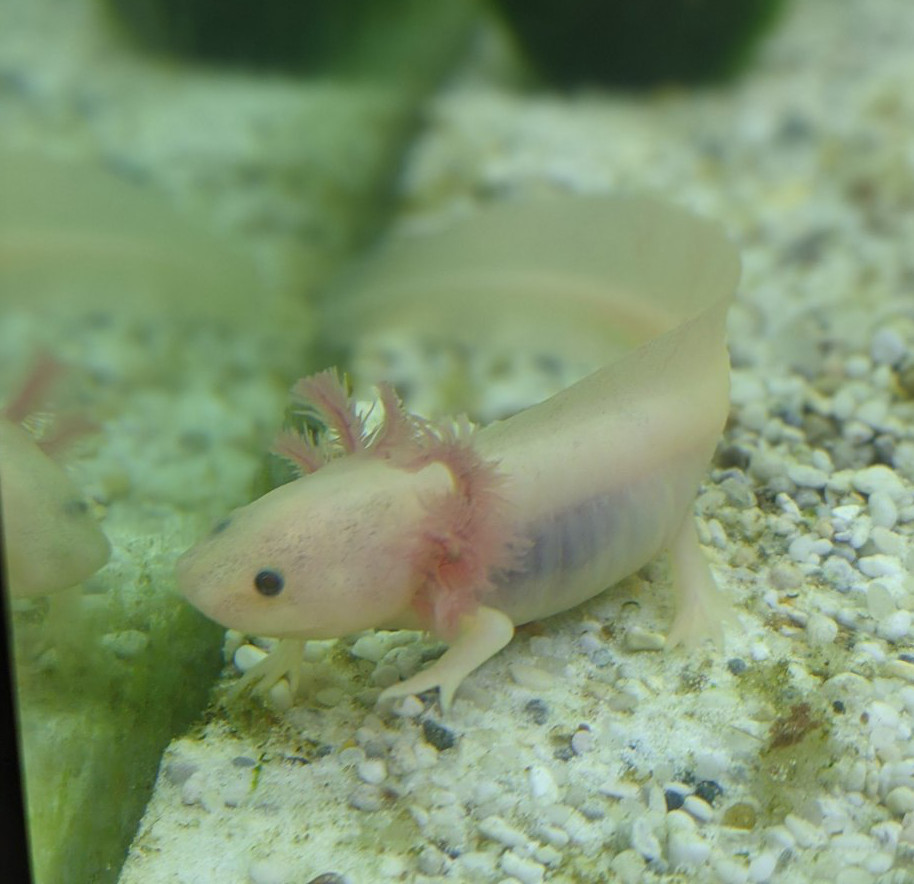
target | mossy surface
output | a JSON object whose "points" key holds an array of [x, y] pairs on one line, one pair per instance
{"points": [[93, 730]]}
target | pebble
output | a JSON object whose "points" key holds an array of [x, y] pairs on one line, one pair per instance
{"points": [[887, 542], [194, 791], [369, 647], [895, 627], [880, 565], [638, 639], [628, 866], [821, 630], [698, 808], [686, 850], [495, 828], [408, 707], [879, 478], [127, 644], [372, 770], [179, 770], [731, 871], [806, 476], [644, 840], [438, 735], [901, 669], [531, 677], [762, 867], [887, 347], [268, 871], [900, 800], [582, 741], [883, 510], [524, 869], [432, 861], [543, 786], [806, 833]]}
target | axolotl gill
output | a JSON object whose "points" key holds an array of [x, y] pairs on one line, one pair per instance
{"points": [[468, 532]]}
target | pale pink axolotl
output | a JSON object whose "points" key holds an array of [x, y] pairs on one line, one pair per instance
{"points": [[465, 532], [51, 540]]}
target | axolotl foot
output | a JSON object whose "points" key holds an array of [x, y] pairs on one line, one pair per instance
{"points": [[481, 635], [284, 661], [701, 609]]}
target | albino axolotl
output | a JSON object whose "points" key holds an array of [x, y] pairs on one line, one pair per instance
{"points": [[469, 532], [51, 540]]}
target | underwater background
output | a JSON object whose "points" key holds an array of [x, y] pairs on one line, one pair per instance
{"points": [[183, 190]]}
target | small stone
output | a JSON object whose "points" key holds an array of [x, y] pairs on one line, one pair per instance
{"points": [[582, 740], [644, 840], [821, 630], [127, 644], [879, 478], [372, 770], [638, 639], [179, 770], [537, 711], [531, 677], [268, 871], [330, 696], [438, 735], [900, 800], [193, 788], [895, 627], [369, 647], [887, 347], [888, 542], [883, 509], [248, 656], [806, 833], [879, 600], [762, 867], [709, 790], [737, 666], [524, 869], [900, 669], [698, 808], [432, 861], [408, 707], [497, 829], [840, 573], [543, 786], [880, 565], [687, 850], [806, 476]]}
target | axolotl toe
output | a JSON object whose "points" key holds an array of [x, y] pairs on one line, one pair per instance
{"points": [[469, 532]]}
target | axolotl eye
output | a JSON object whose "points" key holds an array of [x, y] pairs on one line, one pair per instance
{"points": [[269, 583]]}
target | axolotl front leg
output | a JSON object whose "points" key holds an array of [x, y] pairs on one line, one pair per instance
{"points": [[481, 635]]}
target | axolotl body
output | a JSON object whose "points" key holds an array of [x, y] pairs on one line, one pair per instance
{"points": [[51, 540], [469, 532]]}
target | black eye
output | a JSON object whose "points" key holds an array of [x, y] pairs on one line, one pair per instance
{"points": [[269, 582]]}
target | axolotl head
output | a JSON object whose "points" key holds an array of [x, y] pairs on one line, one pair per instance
{"points": [[51, 539], [326, 555]]}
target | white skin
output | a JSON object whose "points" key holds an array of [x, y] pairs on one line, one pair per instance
{"points": [[591, 484]]}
